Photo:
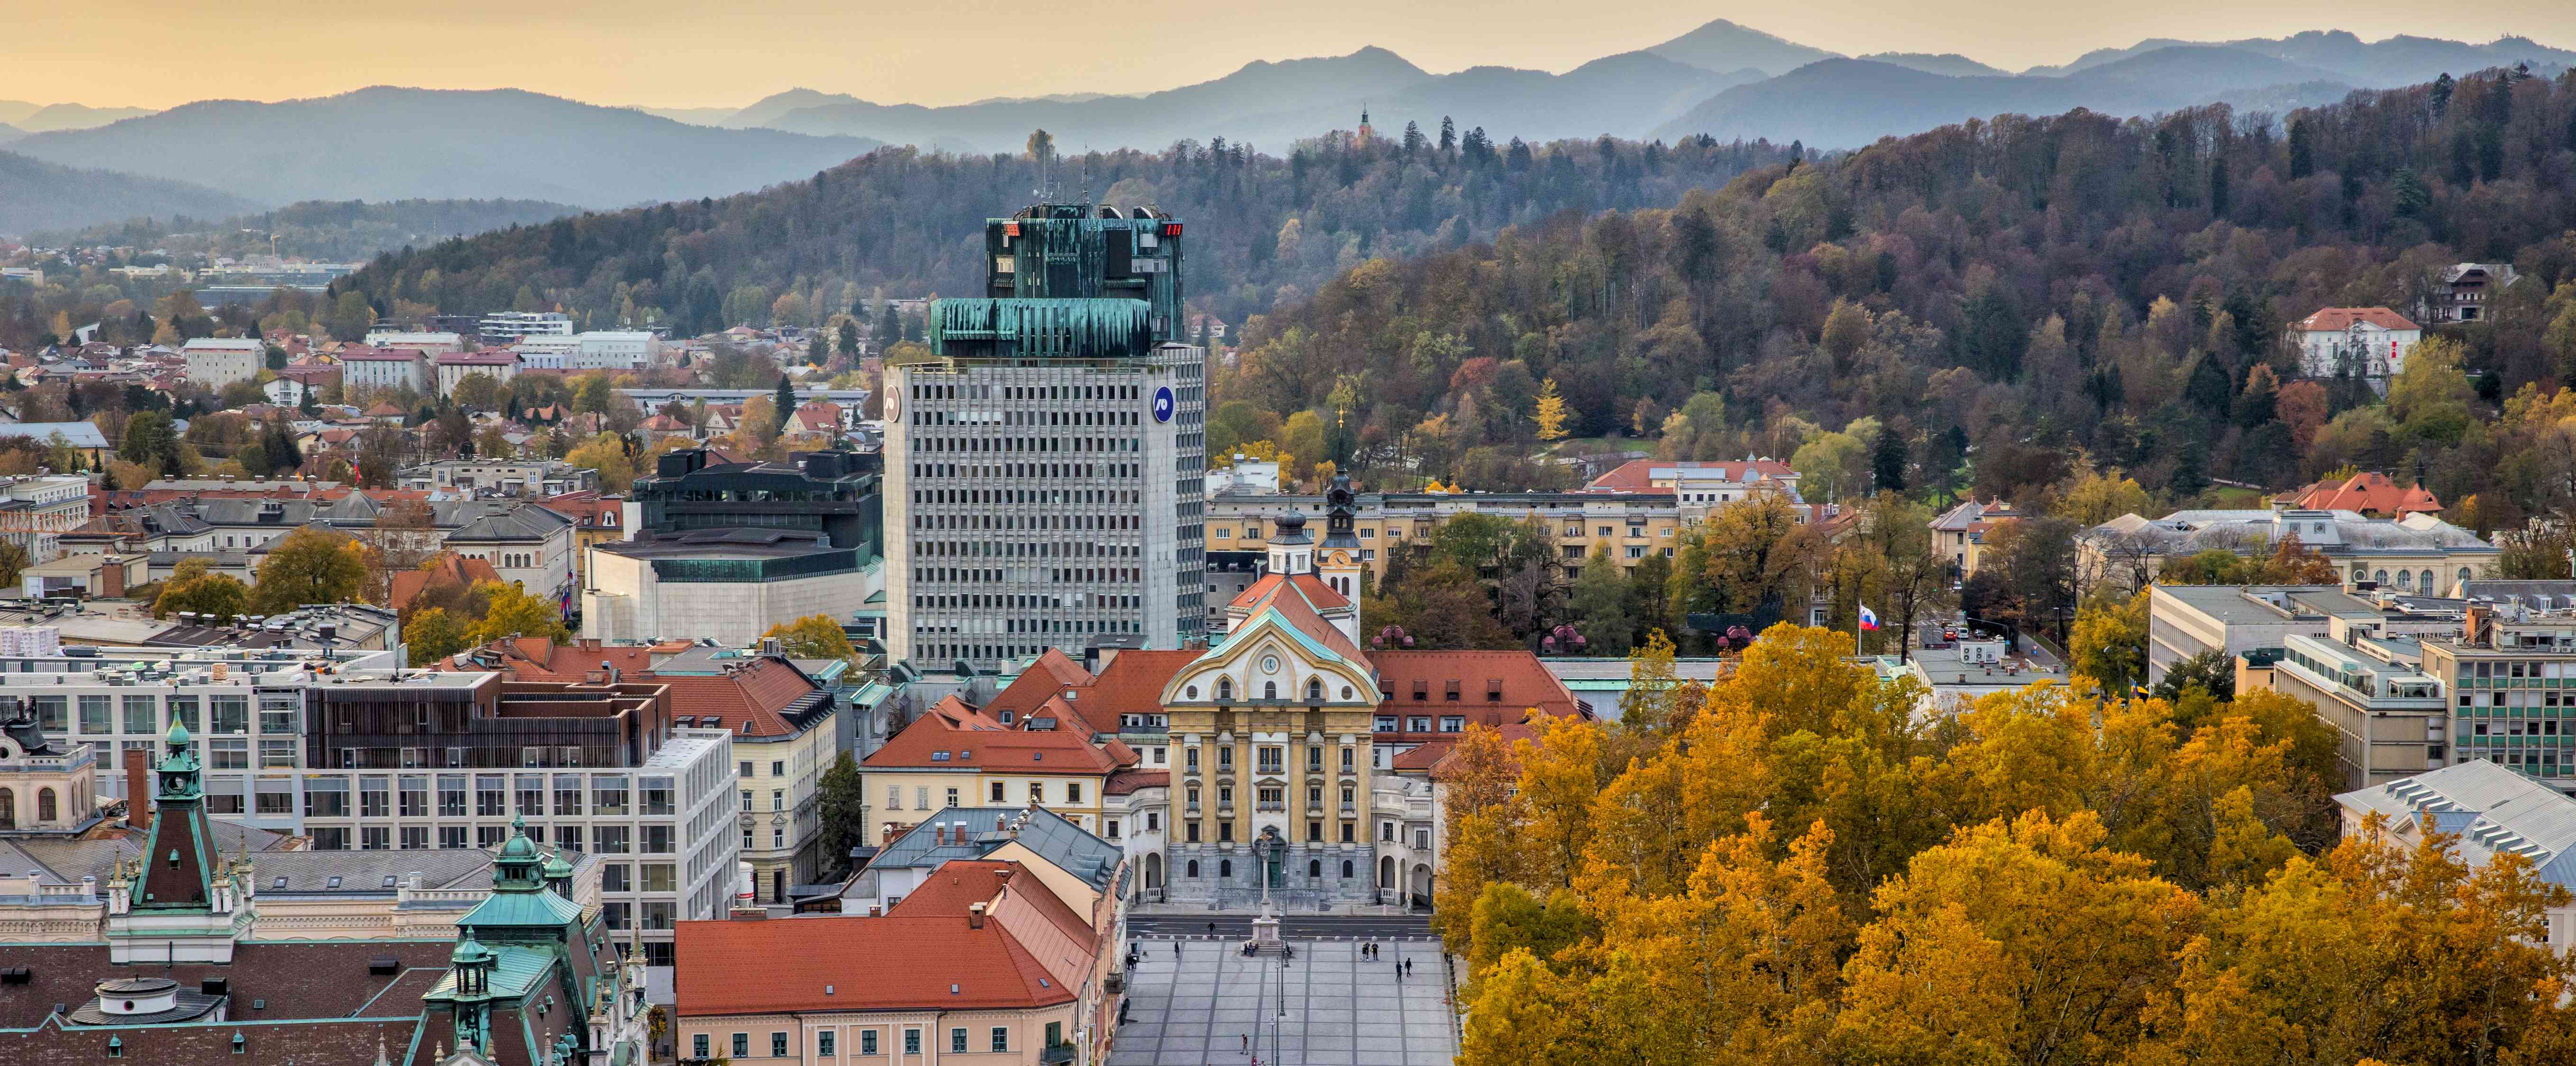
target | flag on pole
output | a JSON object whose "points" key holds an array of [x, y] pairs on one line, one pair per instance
{"points": [[1868, 618]]}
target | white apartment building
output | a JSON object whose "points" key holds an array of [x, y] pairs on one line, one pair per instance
{"points": [[219, 361], [500, 366], [616, 350], [384, 368], [427, 343], [37, 509], [506, 326], [548, 351]]}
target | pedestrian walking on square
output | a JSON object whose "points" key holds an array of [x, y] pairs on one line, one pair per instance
{"points": [[1247, 1043]]}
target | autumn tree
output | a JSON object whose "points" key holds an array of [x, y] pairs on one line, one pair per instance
{"points": [[1550, 413], [515, 613], [194, 586], [309, 565], [2109, 641], [812, 637], [433, 634]]}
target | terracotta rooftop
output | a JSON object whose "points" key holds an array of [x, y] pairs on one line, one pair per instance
{"points": [[2370, 493], [953, 735], [1318, 594], [2338, 319], [785, 964], [1494, 688], [446, 569], [1638, 475]]}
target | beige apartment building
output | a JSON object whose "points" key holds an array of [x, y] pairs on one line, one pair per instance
{"points": [[954, 755]]}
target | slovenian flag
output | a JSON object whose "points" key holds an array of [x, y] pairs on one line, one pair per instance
{"points": [[1868, 618]]}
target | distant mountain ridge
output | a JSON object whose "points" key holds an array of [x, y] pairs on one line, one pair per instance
{"points": [[42, 118], [1723, 45], [37, 195], [503, 143], [1275, 104], [1849, 103]]}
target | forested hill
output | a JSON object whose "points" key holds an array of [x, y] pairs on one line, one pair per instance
{"points": [[2022, 292], [904, 223]]}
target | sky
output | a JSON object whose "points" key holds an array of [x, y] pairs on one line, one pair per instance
{"points": [[690, 53]]}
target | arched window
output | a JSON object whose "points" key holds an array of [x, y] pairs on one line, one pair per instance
{"points": [[2382, 577], [1225, 868], [1314, 690], [1225, 688], [2427, 588], [1194, 869], [2464, 575], [1346, 869], [1270, 690], [1315, 868], [2406, 581], [45, 806]]}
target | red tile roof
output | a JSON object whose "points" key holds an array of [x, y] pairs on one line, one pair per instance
{"points": [[755, 693], [452, 569], [2338, 319], [784, 964], [1047, 678], [953, 735], [1132, 683], [1129, 782], [1525, 683], [1290, 600], [1637, 475], [956, 883], [2368, 492], [1318, 594]]}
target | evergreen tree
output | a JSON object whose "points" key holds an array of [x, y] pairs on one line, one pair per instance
{"points": [[786, 402], [1449, 135], [1887, 462], [2303, 149]]}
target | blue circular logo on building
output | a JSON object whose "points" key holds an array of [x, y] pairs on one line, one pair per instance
{"points": [[1163, 404]]}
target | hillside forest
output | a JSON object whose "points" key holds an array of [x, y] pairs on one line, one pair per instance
{"points": [[897, 223]]}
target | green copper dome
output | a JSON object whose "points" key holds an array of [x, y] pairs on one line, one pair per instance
{"points": [[470, 952], [519, 848], [178, 733]]}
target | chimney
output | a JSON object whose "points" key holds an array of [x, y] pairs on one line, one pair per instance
{"points": [[975, 915], [138, 788]]}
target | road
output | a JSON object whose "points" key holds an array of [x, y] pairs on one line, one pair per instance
{"points": [[1238, 926]]}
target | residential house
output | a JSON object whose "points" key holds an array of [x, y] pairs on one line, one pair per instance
{"points": [[2467, 292], [2358, 342], [1960, 532]]}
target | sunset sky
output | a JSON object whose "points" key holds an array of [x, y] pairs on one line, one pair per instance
{"points": [[687, 53]]}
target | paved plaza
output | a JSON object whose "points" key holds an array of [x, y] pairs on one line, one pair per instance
{"points": [[1342, 1009]]}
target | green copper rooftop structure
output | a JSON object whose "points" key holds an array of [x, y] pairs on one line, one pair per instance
{"points": [[1106, 328], [1049, 258]]}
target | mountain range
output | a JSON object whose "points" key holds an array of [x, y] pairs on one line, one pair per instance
{"points": [[388, 143], [26, 118], [38, 195], [1721, 79]]}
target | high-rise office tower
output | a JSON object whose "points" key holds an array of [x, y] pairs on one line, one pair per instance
{"points": [[1044, 465]]}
